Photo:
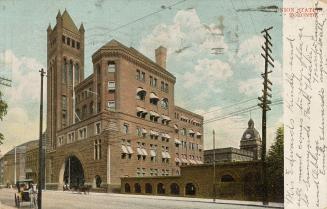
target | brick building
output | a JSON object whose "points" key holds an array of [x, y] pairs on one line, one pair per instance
{"points": [[233, 180], [238, 174], [7, 176], [119, 121]]}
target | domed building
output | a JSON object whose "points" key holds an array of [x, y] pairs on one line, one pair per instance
{"points": [[251, 140], [250, 148]]}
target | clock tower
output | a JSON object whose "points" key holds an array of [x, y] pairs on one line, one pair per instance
{"points": [[251, 140]]}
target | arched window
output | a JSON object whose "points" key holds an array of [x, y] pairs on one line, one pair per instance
{"points": [[227, 178], [98, 181], [174, 189], [164, 103], [153, 98], [160, 188], [140, 93], [127, 188], [137, 188], [76, 73], [190, 189], [148, 188], [64, 72]]}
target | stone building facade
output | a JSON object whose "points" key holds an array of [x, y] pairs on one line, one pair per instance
{"points": [[233, 180], [119, 121]]}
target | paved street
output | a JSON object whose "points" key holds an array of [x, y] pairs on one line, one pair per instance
{"points": [[69, 200]]}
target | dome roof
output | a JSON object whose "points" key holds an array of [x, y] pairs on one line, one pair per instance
{"points": [[251, 133]]}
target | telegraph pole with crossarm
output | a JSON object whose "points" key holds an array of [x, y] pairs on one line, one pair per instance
{"points": [[265, 100]]}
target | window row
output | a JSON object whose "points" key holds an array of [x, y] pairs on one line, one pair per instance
{"points": [[140, 75], [71, 42], [190, 189], [81, 133], [152, 172], [187, 120], [153, 116], [142, 153], [183, 160], [185, 132], [153, 98], [191, 146], [70, 71]]}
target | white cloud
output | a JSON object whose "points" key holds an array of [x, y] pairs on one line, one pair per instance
{"points": [[186, 30], [18, 127], [249, 52], [207, 71], [251, 86], [21, 122]]}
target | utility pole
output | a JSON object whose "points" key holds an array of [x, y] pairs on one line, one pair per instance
{"points": [[41, 150], [265, 101], [214, 165]]}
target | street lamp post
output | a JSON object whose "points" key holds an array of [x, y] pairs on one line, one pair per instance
{"points": [[214, 165], [15, 166], [41, 156]]}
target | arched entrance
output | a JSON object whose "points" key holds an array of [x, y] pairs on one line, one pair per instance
{"points": [[74, 172]]}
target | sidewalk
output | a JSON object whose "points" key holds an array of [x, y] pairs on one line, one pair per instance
{"points": [[190, 199], [2, 206]]}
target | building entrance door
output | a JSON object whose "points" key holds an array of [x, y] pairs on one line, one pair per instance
{"points": [[74, 173]]}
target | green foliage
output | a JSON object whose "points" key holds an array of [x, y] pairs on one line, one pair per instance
{"points": [[3, 112], [275, 167]]}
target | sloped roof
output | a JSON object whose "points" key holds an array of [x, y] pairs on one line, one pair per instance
{"points": [[68, 23]]}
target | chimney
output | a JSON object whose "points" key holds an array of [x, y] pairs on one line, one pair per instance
{"points": [[161, 55]]}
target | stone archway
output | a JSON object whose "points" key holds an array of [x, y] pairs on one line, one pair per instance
{"points": [[72, 172]]}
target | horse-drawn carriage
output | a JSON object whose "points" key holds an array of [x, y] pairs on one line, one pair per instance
{"points": [[26, 193]]}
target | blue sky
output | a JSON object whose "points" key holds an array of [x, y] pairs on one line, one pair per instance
{"points": [[206, 83]]}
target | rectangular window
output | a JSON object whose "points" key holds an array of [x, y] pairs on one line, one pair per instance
{"points": [[162, 87], [125, 128], [73, 43], [63, 39], [151, 81], [98, 128], [111, 105], [82, 133], [111, 85], [111, 67], [97, 149], [63, 102], [166, 87], [138, 75], [68, 41], [142, 76], [78, 45], [154, 82]]}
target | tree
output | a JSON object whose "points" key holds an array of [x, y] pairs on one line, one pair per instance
{"points": [[3, 112], [275, 167]]}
